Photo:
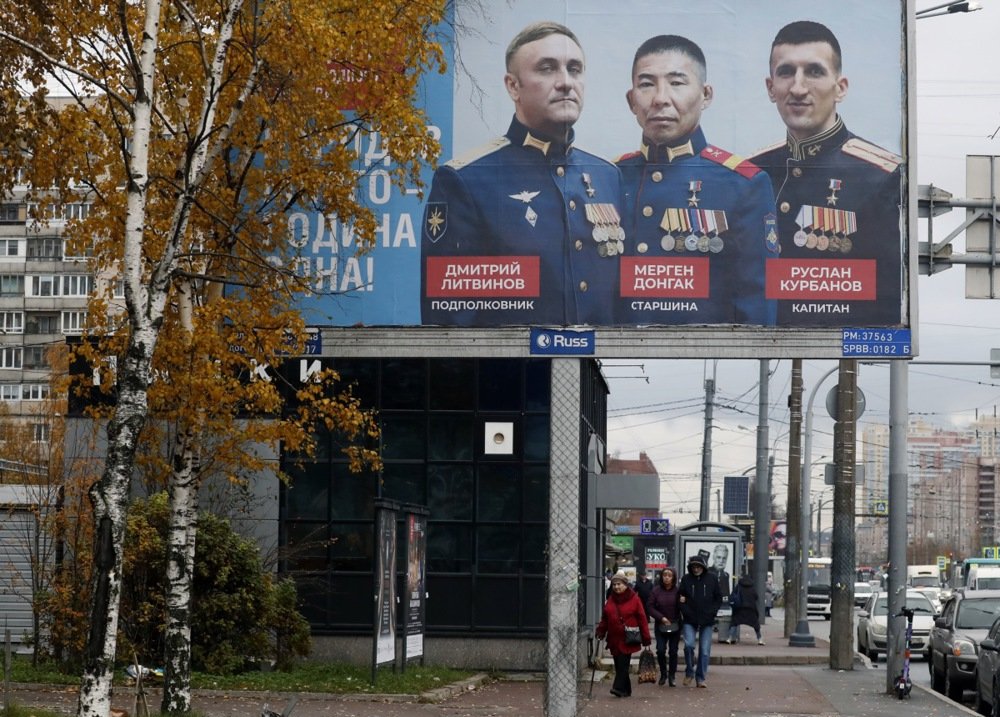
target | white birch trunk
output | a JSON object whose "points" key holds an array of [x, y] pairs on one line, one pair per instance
{"points": [[110, 495]]}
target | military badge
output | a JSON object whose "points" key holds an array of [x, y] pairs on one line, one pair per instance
{"points": [[436, 220], [531, 215], [694, 186], [771, 234], [835, 185]]}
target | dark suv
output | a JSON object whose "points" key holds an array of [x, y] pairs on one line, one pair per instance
{"points": [[965, 619]]}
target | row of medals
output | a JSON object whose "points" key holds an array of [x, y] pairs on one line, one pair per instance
{"points": [[823, 242], [693, 242], [607, 232]]}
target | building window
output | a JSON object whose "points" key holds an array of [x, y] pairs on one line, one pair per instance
{"points": [[9, 248], [118, 290], [34, 357], [11, 357], [76, 285], [42, 324], [40, 432], [73, 322], [43, 286], [10, 213], [34, 391], [12, 285], [10, 391], [44, 249], [12, 322]]}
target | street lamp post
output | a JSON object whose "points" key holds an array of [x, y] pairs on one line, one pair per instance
{"points": [[801, 636]]}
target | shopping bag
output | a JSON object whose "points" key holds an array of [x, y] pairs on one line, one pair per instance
{"points": [[647, 666]]}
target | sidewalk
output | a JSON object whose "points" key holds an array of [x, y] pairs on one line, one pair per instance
{"points": [[744, 680]]}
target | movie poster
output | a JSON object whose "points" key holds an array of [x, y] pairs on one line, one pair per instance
{"points": [[416, 589], [385, 572]]}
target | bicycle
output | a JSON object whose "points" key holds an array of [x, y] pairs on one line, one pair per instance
{"points": [[904, 684]]}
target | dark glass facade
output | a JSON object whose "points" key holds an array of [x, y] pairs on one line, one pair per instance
{"points": [[488, 514]]}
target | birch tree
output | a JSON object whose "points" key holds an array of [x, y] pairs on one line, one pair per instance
{"points": [[192, 126]]}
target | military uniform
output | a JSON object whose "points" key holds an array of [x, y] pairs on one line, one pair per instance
{"points": [[838, 202], [523, 231], [703, 226]]}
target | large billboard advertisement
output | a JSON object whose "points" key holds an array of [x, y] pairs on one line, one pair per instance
{"points": [[649, 164]]}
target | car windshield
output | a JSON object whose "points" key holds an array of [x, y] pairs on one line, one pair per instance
{"points": [[924, 581], [862, 588], [918, 603], [977, 613]]}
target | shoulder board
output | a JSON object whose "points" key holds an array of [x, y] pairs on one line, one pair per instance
{"points": [[871, 153], [628, 155], [769, 148], [730, 161], [479, 152]]}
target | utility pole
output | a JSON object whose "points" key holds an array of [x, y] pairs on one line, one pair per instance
{"points": [[706, 452], [792, 579], [842, 552], [762, 491]]}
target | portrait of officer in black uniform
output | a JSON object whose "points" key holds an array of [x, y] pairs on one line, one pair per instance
{"points": [[527, 229], [838, 196], [701, 220]]}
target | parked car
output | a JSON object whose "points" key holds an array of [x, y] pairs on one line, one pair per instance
{"points": [[965, 620], [862, 591], [933, 594], [988, 672], [873, 621]]}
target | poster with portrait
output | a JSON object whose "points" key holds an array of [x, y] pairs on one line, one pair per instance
{"points": [[416, 591], [756, 203], [385, 574], [777, 539], [719, 556]]}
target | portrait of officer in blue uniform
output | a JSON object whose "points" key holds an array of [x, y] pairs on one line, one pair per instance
{"points": [[838, 196], [700, 220], [526, 230]]}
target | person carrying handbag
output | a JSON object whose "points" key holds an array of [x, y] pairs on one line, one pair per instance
{"points": [[624, 625], [665, 611]]}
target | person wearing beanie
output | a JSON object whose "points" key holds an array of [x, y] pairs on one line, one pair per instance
{"points": [[700, 600], [622, 609]]}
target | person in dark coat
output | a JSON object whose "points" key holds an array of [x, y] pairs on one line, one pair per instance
{"points": [[623, 608], [700, 600], [665, 610], [744, 602], [643, 588]]}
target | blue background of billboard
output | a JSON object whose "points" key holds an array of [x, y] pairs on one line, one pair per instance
{"points": [[383, 288]]}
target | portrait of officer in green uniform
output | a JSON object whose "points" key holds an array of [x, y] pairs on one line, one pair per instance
{"points": [[527, 229], [700, 219], [837, 195]]}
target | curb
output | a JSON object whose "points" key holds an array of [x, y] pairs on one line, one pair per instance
{"points": [[440, 694]]}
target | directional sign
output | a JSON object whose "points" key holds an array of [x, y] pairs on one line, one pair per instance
{"points": [[876, 343], [654, 526], [880, 507]]}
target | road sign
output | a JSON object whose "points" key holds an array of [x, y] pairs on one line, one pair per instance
{"points": [[880, 507], [654, 526]]}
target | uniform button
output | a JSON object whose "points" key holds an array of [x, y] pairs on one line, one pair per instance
{"points": [[647, 211], [785, 206], [657, 176], [797, 172], [583, 286], [560, 171], [578, 245], [572, 204]]}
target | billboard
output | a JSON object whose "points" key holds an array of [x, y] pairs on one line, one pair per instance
{"points": [[720, 184]]}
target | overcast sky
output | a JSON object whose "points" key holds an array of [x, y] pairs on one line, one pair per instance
{"points": [[658, 406]]}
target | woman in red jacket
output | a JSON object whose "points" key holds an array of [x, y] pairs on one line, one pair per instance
{"points": [[622, 609]]}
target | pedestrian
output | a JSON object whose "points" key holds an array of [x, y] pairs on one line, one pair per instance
{"points": [[744, 602], [768, 595], [623, 614], [700, 600], [643, 588], [665, 611]]}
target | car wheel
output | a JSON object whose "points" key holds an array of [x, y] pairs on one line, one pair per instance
{"points": [[953, 691], [982, 706], [937, 679]]}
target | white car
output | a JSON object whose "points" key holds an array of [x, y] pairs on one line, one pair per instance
{"points": [[862, 591], [934, 595], [873, 621]]}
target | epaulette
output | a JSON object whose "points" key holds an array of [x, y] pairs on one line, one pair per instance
{"points": [[731, 161], [628, 155], [872, 153], [475, 153], [770, 148]]}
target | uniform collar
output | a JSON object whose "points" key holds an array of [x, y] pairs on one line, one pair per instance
{"points": [[520, 136], [666, 153], [819, 143]]}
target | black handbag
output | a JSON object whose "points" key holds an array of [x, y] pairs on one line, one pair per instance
{"points": [[668, 629], [632, 635]]}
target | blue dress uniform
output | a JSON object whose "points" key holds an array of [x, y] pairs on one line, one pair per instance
{"points": [[522, 231], [702, 225], [838, 202]]}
